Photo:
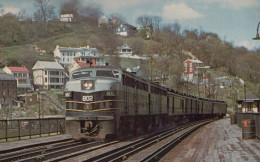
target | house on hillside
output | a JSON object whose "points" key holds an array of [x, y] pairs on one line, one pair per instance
{"points": [[48, 75], [8, 88], [66, 55], [195, 71], [22, 76], [125, 30], [69, 16], [250, 103], [125, 49], [86, 61]]}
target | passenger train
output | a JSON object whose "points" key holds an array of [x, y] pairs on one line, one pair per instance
{"points": [[104, 102]]}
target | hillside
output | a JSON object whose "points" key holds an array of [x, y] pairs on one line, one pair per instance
{"points": [[168, 43]]}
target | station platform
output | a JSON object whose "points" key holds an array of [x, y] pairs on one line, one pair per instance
{"points": [[216, 141], [32, 141]]}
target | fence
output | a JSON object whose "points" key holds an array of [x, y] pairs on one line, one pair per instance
{"points": [[17, 128], [255, 116]]}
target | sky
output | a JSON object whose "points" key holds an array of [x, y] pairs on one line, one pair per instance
{"points": [[234, 21]]}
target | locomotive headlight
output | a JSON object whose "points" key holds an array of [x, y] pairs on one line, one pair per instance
{"points": [[87, 85]]}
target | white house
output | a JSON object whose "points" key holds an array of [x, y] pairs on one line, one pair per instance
{"points": [[48, 74], [125, 30], [125, 49], [22, 76], [65, 55], [69, 16]]}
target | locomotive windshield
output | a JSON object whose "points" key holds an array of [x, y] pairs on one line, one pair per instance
{"points": [[108, 73], [81, 74]]}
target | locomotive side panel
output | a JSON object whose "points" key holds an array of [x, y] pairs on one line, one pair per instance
{"points": [[164, 104], [207, 107], [194, 106], [178, 105], [143, 108], [188, 106], [171, 110], [155, 104]]}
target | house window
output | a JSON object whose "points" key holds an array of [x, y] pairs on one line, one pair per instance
{"points": [[45, 80], [45, 72], [185, 65], [123, 29], [190, 67], [118, 29]]}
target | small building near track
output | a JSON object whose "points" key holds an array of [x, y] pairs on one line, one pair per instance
{"points": [[250, 103]]}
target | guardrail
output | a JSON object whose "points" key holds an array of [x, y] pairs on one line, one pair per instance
{"points": [[17, 128], [255, 116]]}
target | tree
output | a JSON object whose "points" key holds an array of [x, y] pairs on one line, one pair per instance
{"points": [[92, 12], [149, 23], [43, 6], [70, 5], [156, 21]]}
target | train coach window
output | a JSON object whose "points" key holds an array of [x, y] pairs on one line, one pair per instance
{"points": [[81, 74], [106, 73]]}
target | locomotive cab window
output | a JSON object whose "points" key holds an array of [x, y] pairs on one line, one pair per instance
{"points": [[108, 73], [81, 74]]}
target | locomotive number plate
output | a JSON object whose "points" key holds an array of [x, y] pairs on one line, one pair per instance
{"points": [[87, 98]]}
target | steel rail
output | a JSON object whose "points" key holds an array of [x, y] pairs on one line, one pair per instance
{"points": [[122, 153], [34, 151], [160, 152]]}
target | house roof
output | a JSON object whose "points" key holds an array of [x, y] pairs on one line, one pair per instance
{"points": [[82, 64], [130, 26], [127, 25], [81, 49], [48, 65], [125, 46], [5, 76], [250, 98], [194, 61], [18, 69]]}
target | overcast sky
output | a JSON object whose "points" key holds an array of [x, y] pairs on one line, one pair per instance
{"points": [[233, 20]]}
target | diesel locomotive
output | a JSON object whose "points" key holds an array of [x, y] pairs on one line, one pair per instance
{"points": [[104, 102]]}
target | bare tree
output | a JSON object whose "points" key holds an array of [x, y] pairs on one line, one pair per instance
{"points": [[149, 23], [42, 6], [51, 12], [91, 13], [70, 5], [21, 14], [143, 21], [156, 21]]}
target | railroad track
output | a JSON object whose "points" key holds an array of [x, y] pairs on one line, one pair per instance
{"points": [[36, 150], [98, 151], [117, 153]]}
